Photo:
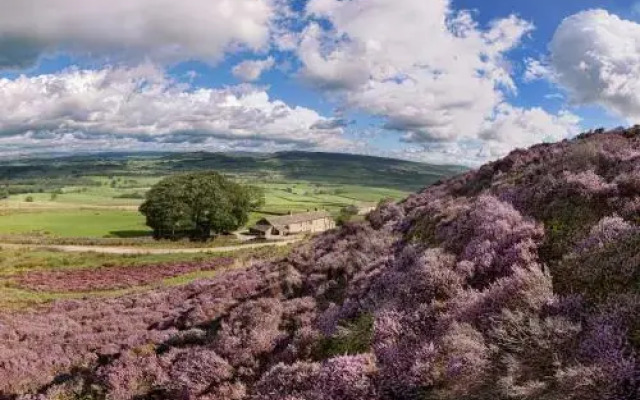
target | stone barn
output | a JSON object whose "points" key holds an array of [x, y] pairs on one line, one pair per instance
{"points": [[293, 224]]}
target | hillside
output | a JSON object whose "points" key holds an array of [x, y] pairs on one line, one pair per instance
{"points": [[519, 280], [285, 166]]}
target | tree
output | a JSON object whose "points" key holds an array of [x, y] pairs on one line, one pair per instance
{"points": [[346, 214], [198, 204], [4, 192]]}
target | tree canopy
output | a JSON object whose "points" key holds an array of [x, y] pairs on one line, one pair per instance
{"points": [[198, 204]]}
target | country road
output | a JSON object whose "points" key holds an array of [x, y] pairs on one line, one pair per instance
{"points": [[138, 250]]}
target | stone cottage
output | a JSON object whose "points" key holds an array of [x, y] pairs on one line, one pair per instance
{"points": [[293, 224]]}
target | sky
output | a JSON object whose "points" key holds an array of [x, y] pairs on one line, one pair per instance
{"points": [[439, 81]]}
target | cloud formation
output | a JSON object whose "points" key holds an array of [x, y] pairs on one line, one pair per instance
{"points": [[430, 72], [157, 29], [250, 70], [436, 78], [595, 56], [142, 103]]}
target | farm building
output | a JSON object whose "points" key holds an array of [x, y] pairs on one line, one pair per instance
{"points": [[309, 222]]}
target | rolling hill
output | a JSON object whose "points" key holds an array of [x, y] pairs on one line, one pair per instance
{"points": [[312, 167]]}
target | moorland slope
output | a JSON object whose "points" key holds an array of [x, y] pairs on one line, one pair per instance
{"points": [[519, 280]]}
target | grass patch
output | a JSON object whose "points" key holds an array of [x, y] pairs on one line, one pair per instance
{"points": [[73, 223], [352, 338]]}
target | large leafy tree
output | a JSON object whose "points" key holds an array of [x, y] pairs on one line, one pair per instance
{"points": [[198, 204]]}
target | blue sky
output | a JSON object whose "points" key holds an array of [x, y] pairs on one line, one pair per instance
{"points": [[460, 81]]}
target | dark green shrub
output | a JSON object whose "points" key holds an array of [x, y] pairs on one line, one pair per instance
{"points": [[352, 338]]}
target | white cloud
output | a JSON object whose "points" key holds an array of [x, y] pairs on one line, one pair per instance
{"points": [[250, 70], [418, 64], [432, 73], [596, 57], [536, 70], [143, 104], [511, 127], [159, 29], [554, 96], [517, 127]]}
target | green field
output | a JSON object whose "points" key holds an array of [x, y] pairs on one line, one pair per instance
{"points": [[94, 197], [78, 223], [98, 212]]}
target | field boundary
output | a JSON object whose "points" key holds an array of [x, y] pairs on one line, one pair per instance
{"points": [[138, 250]]}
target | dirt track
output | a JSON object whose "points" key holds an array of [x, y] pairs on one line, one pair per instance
{"points": [[138, 250]]}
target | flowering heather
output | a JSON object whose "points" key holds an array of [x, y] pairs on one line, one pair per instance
{"points": [[519, 280], [608, 230], [109, 278]]}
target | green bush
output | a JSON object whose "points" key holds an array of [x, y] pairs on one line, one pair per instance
{"points": [[597, 275], [354, 337]]}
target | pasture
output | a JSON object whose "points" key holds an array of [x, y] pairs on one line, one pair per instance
{"points": [[67, 223], [107, 207]]}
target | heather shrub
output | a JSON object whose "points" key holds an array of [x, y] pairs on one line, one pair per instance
{"points": [[287, 381], [531, 351], [386, 212], [628, 183], [250, 331], [346, 377], [608, 230], [417, 277], [111, 278], [608, 344], [196, 370], [582, 156], [586, 184], [453, 367], [132, 375]]}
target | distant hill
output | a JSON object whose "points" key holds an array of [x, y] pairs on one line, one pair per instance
{"points": [[313, 167]]}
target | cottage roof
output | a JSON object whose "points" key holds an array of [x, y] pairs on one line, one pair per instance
{"points": [[297, 218], [262, 228]]}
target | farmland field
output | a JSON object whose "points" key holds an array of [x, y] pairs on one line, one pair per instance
{"points": [[96, 197], [97, 212], [93, 200], [74, 223]]}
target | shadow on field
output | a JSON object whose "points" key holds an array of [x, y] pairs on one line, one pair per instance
{"points": [[129, 234]]}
